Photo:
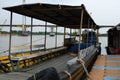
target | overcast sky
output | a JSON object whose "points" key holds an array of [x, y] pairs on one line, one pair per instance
{"points": [[104, 12]]}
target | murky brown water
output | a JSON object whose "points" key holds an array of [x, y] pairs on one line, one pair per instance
{"points": [[39, 39]]}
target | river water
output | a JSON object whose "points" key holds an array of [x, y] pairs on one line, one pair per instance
{"points": [[37, 40], [103, 41]]}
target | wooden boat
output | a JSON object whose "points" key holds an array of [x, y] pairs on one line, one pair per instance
{"points": [[107, 67], [113, 40], [32, 65], [52, 34], [24, 33]]}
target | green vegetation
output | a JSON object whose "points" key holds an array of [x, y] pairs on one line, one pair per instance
{"points": [[0, 29], [4, 32], [103, 35], [40, 33], [34, 33]]}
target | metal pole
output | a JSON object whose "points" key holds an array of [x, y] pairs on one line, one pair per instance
{"points": [[97, 35], [23, 21], [64, 35], [45, 35], [31, 36], [70, 32], [70, 35], [91, 34], [88, 30], [56, 38], [10, 37], [94, 36], [88, 36], [81, 23], [75, 34]]}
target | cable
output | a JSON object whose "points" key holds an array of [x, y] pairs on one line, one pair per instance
{"points": [[70, 77], [83, 64], [34, 77]]}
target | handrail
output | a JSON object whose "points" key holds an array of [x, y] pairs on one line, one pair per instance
{"points": [[39, 54]]}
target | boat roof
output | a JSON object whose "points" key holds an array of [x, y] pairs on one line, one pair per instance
{"points": [[61, 15], [115, 28]]}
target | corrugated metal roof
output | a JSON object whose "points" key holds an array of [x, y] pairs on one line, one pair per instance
{"points": [[61, 15]]}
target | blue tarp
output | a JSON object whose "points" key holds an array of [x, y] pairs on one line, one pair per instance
{"points": [[74, 48], [91, 40], [107, 67], [112, 78]]}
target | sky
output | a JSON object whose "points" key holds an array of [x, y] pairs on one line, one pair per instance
{"points": [[104, 12]]}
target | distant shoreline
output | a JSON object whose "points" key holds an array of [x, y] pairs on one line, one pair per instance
{"points": [[3, 34], [103, 35], [34, 33]]}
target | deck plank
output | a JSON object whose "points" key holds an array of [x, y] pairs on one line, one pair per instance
{"points": [[58, 63], [106, 68]]}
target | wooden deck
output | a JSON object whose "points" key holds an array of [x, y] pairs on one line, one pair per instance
{"points": [[106, 68], [58, 63]]}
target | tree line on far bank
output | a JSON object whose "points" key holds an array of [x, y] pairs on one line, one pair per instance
{"points": [[39, 33], [34, 33]]}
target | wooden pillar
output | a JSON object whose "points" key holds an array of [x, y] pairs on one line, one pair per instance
{"points": [[31, 36], [81, 23], [10, 37]]}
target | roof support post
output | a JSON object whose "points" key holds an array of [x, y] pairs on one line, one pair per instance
{"points": [[31, 36], [119, 39], [75, 34], [45, 36], [64, 35], [91, 34], [70, 35], [70, 32], [10, 37], [88, 30], [81, 24], [56, 38], [97, 35]]}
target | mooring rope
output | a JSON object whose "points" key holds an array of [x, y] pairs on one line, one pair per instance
{"points": [[79, 54], [34, 77], [70, 77], [84, 67]]}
